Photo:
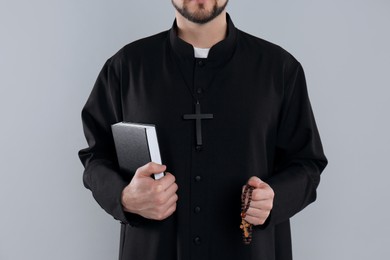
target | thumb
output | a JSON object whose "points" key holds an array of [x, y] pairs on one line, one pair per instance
{"points": [[149, 169], [255, 182]]}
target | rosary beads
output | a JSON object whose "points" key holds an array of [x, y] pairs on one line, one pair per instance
{"points": [[246, 227]]}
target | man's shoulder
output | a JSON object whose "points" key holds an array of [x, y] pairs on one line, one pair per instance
{"points": [[143, 48], [266, 49], [148, 43]]}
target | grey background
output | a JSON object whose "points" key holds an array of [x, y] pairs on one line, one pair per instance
{"points": [[51, 53]]}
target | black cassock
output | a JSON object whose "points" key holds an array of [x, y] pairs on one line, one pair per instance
{"points": [[262, 125]]}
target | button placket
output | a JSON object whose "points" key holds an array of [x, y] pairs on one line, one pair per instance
{"points": [[198, 183], [197, 217]]}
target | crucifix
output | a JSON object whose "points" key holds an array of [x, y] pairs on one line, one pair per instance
{"points": [[198, 116]]}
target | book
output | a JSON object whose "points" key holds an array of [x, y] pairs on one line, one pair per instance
{"points": [[136, 145]]}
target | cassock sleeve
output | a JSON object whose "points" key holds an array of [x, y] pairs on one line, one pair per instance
{"points": [[299, 157], [101, 174]]}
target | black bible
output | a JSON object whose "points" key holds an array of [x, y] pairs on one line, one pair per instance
{"points": [[136, 145]]}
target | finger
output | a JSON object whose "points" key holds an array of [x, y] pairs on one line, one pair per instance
{"points": [[172, 200], [149, 169], [264, 193], [262, 205], [253, 212], [257, 220], [254, 181], [165, 182], [170, 210], [257, 216], [165, 196], [171, 189], [167, 209], [257, 213]]}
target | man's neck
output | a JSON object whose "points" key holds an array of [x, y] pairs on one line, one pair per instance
{"points": [[202, 35]]}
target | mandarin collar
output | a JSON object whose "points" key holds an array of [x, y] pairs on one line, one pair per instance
{"points": [[219, 53]]}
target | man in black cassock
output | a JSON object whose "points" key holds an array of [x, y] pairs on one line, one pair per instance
{"points": [[230, 109]]}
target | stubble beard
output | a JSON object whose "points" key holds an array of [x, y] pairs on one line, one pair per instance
{"points": [[200, 16]]}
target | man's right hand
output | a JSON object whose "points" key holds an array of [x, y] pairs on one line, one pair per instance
{"points": [[152, 199]]}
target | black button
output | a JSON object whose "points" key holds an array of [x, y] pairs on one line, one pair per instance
{"points": [[197, 241], [200, 63], [199, 91], [198, 148], [198, 178], [197, 209]]}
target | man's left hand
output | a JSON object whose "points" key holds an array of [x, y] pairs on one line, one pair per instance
{"points": [[262, 202]]}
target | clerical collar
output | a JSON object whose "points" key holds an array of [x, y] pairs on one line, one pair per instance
{"points": [[201, 53], [220, 53]]}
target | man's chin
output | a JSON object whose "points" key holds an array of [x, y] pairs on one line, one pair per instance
{"points": [[200, 11]]}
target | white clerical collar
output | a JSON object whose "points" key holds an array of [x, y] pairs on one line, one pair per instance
{"points": [[201, 52]]}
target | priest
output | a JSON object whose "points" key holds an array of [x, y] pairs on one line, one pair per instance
{"points": [[240, 148]]}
